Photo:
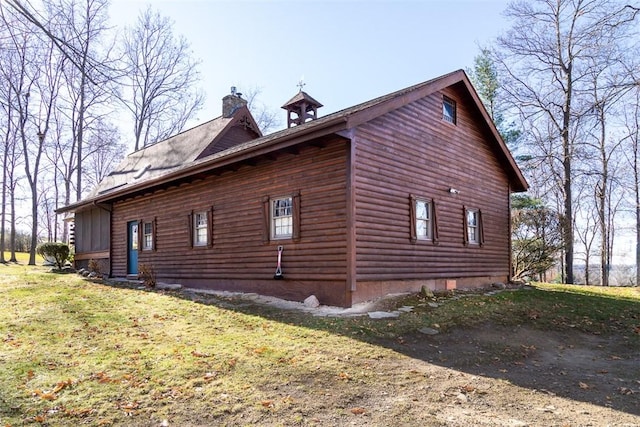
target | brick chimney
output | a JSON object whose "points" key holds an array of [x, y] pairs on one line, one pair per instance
{"points": [[231, 103]]}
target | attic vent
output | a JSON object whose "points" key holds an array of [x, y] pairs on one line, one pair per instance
{"points": [[301, 108], [142, 171]]}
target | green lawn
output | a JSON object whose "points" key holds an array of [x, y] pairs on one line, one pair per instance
{"points": [[74, 351]]}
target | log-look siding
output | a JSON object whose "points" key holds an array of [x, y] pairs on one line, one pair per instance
{"points": [[238, 258], [413, 151]]}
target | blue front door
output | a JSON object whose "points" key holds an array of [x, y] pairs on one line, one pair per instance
{"points": [[132, 247]]}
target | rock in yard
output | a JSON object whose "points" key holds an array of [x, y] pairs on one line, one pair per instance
{"points": [[312, 302], [383, 314], [426, 292], [406, 309], [499, 285], [433, 305], [428, 331]]}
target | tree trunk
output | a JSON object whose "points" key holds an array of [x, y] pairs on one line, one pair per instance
{"points": [[566, 163], [3, 214], [12, 238], [602, 205], [34, 225], [636, 176]]}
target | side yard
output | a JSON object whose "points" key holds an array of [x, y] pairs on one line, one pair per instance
{"points": [[77, 352]]}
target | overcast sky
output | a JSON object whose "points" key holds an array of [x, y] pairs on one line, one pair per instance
{"points": [[346, 51]]}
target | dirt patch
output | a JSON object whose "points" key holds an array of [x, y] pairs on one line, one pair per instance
{"points": [[494, 375]]}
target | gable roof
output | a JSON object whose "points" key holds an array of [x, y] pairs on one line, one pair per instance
{"points": [[342, 120], [164, 157]]}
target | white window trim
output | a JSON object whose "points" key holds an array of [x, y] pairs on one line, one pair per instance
{"points": [[452, 118], [197, 227], [428, 220], [272, 218], [146, 247], [473, 231]]}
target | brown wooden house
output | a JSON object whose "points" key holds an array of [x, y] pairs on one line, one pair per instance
{"points": [[407, 190]]}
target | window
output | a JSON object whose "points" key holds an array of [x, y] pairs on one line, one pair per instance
{"points": [[134, 236], [200, 229], [448, 110], [472, 226], [424, 225], [147, 236], [473, 229], [282, 218], [423, 220]]}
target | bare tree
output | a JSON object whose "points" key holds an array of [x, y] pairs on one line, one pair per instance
{"points": [[35, 93], [160, 79], [106, 151], [77, 29], [586, 234], [266, 118], [631, 124], [546, 59], [83, 26]]}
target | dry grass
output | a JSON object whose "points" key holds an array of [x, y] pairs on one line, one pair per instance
{"points": [[74, 351]]}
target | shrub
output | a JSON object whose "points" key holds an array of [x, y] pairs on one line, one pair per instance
{"points": [[56, 250], [148, 275], [94, 266]]}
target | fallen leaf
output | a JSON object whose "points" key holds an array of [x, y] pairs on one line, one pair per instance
{"points": [[62, 384], [267, 403], [358, 411], [43, 395], [209, 376], [30, 374], [584, 386], [344, 376], [196, 353]]}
